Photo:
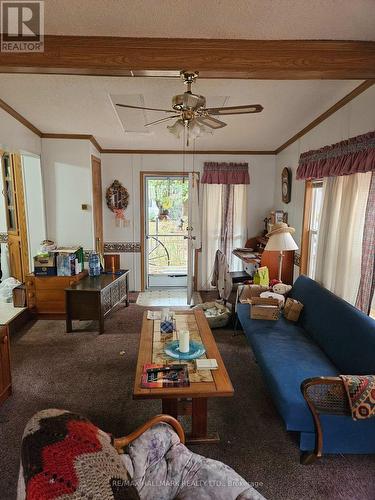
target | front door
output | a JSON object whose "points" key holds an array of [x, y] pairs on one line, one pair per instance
{"points": [[166, 230]]}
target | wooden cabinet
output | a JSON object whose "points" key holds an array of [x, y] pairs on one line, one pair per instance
{"points": [[94, 298], [5, 376], [46, 294], [271, 259]]}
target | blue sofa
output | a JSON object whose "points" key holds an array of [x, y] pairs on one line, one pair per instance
{"points": [[331, 338]]}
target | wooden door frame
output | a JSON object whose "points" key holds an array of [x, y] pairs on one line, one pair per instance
{"points": [[305, 237], [142, 175], [95, 159]]}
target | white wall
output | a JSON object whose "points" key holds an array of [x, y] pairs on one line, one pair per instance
{"points": [[67, 180], [127, 168], [357, 117]]}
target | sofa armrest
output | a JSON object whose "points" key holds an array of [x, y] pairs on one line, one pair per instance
{"points": [[122, 442], [323, 395]]}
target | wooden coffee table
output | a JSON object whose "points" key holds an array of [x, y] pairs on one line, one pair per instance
{"points": [[205, 384]]}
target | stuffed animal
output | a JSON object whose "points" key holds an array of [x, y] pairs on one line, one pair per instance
{"points": [[281, 288]]}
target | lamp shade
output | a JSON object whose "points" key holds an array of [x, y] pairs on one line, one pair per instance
{"points": [[280, 242]]}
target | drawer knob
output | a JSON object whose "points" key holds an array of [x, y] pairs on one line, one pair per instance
{"points": [[5, 339]]}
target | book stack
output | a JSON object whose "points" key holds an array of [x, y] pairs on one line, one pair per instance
{"points": [[162, 376]]}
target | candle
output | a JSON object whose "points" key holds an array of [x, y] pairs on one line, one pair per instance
{"points": [[183, 337]]}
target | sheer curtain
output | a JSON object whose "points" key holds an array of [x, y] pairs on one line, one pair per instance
{"points": [[224, 225], [339, 249]]}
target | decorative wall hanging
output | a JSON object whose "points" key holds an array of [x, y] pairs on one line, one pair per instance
{"points": [[286, 184], [117, 198]]}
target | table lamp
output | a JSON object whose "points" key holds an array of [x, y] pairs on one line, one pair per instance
{"points": [[280, 240]]}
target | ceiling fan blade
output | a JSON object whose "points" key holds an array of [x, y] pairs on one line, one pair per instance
{"points": [[211, 122], [148, 109], [161, 120], [235, 110]]}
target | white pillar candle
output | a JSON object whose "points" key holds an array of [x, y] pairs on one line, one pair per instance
{"points": [[183, 337]]}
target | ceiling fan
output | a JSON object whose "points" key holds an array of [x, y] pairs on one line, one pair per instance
{"points": [[192, 115]]}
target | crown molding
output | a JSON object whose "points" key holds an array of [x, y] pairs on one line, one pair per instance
{"points": [[12, 112], [180, 152], [259, 59], [342, 102], [87, 137], [349, 97]]}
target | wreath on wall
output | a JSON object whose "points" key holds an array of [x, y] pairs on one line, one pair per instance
{"points": [[117, 197]]}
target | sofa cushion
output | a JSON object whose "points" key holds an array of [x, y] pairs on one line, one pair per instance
{"points": [[343, 332], [286, 356]]}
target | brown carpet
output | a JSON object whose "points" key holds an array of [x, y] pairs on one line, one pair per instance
{"points": [[86, 373]]}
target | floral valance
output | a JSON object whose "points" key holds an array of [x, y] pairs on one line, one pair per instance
{"points": [[225, 173], [353, 156]]}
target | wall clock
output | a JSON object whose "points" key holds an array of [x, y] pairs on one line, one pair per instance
{"points": [[286, 184]]}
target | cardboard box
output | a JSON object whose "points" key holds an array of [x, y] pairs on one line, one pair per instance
{"points": [[266, 309], [45, 265]]}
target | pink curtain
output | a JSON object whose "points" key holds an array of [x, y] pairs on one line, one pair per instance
{"points": [[367, 283], [353, 156], [225, 173]]}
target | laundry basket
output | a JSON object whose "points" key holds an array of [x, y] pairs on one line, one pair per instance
{"points": [[216, 314]]}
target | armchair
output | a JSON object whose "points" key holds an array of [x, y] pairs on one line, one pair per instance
{"points": [[324, 396], [65, 455]]}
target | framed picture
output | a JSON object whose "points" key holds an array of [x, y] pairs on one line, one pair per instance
{"points": [[279, 216]]}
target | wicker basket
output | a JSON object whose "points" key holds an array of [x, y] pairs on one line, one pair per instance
{"points": [[223, 314], [262, 308], [292, 309]]}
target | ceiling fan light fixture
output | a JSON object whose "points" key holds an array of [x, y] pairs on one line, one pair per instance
{"points": [[177, 128]]}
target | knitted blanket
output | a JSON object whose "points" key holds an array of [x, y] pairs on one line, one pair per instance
{"points": [[360, 390], [65, 456]]}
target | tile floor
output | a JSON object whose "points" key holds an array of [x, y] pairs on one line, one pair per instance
{"points": [[167, 297]]}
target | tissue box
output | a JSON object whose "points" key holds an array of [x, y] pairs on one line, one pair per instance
{"points": [[45, 265], [166, 327]]}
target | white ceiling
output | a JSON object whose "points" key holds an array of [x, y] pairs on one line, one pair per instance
{"points": [[248, 19], [83, 105]]}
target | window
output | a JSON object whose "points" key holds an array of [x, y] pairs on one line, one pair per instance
{"points": [[316, 207]]}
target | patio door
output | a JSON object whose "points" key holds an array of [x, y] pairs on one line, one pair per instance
{"points": [[166, 211]]}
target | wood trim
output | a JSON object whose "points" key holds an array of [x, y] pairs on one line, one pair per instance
{"points": [[349, 97], [12, 112], [21, 214], [180, 152], [258, 59], [95, 143], [121, 443], [86, 137], [306, 227]]}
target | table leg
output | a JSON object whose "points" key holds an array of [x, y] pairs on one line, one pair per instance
{"points": [[199, 424], [127, 290], [170, 407]]}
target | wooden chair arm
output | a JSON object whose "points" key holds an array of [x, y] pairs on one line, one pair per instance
{"points": [[122, 442], [323, 395]]}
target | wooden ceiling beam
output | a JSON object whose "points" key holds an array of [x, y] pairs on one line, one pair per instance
{"points": [[252, 59]]}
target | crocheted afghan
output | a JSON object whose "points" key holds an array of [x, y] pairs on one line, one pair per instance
{"points": [[360, 390], [65, 456]]}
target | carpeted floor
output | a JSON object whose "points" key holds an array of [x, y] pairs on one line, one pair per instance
{"points": [[93, 375]]}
